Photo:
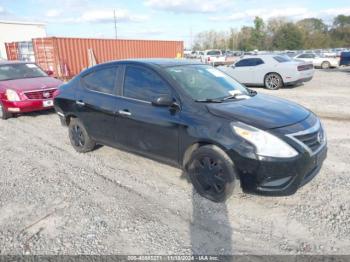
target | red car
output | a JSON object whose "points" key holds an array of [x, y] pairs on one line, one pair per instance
{"points": [[25, 87]]}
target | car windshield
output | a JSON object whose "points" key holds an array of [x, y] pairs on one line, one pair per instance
{"points": [[203, 82], [20, 71]]}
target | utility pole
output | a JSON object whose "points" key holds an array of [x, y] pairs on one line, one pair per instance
{"points": [[115, 24], [191, 40]]}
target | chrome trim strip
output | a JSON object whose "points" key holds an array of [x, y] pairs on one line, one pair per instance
{"points": [[118, 96], [40, 90], [310, 130], [60, 114]]}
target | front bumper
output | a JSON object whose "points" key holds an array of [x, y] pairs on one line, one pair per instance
{"points": [[278, 177], [25, 106]]}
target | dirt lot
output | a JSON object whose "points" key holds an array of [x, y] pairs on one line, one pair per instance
{"points": [[56, 201]]}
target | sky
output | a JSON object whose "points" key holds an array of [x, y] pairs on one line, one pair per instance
{"points": [[160, 19]]}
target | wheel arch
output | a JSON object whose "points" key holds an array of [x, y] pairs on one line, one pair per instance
{"points": [[274, 72], [190, 149], [69, 117]]}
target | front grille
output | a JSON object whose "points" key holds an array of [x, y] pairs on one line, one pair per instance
{"points": [[312, 140], [42, 94]]}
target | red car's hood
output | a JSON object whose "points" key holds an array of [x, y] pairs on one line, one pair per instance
{"points": [[29, 84]]}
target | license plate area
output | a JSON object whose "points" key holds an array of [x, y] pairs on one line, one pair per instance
{"points": [[47, 103]]}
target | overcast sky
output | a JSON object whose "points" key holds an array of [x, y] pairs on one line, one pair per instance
{"points": [[160, 19]]}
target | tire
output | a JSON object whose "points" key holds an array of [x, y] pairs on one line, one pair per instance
{"points": [[325, 65], [3, 113], [79, 138], [273, 81], [212, 173]]}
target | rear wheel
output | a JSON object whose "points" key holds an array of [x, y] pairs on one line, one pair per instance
{"points": [[326, 65], [212, 173], [3, 113], [273, 81], [79, 138]]}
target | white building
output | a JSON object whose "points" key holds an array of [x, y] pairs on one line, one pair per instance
{"points": [[15, 31]]}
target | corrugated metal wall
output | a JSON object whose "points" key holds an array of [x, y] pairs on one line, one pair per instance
{"points": [[68, 56], [12, 51]]}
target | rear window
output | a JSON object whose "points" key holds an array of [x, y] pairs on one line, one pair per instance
{"points": [[282, 59]]}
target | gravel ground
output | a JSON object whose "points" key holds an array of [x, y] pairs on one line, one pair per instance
{"points": [[56, 201]]}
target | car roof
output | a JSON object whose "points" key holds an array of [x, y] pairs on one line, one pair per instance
{"points": [[7, 62], [262, 55], [160, 62]]}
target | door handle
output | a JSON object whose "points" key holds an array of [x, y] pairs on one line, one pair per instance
{"points": [[124, 113], [81, 103]]}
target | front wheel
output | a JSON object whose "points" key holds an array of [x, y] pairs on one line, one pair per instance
{"points": [[79, 138], [3, 113], [273, 81], [212, 173]]}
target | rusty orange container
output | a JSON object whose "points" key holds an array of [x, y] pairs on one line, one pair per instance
{"points": [[66, 57], [12, 51]]}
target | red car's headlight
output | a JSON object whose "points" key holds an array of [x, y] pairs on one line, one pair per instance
{"points": [[12, 95]]}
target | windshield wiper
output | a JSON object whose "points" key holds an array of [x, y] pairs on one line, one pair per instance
{"points": [[229, 97], [208, 100]]}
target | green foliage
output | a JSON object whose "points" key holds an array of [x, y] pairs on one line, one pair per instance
{"points": [[288, 37], [281, 34]]}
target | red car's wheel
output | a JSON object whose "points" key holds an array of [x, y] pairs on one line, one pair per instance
{"points": [[3, 113]]}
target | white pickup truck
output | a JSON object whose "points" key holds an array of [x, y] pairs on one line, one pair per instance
{"points": [[213, 57]]}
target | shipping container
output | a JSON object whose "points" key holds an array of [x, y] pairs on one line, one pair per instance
{"points": [[26, 52], [12, 51], [67, 57]]}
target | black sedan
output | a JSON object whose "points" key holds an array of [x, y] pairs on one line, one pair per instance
{"points": [[196, 117]]}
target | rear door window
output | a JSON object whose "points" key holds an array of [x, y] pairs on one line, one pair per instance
{"points": [[102, 80], [143, 84]]}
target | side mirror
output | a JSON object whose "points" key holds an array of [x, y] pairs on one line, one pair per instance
{"points": [[164, 100], [49, 72]]}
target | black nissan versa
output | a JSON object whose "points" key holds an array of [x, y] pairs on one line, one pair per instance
{"points": [[198, 118]]}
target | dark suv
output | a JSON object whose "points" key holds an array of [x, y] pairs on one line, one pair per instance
{"points": [[198, 118]]}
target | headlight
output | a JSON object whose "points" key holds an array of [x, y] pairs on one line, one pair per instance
{"points": [[265, 143], [12, 95]]}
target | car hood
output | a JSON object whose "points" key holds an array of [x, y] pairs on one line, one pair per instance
{"points": [[28, 84], [261, 111]]}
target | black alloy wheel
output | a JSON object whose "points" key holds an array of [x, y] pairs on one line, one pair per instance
{"points": [[212, 173], [79, 137]]}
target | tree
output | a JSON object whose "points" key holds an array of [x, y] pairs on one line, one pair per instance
{"points": [[315, 33], [341, 21], [258, 36], [244, 39], [279, 33], [288, 37], [340, 32], [273, 25]]}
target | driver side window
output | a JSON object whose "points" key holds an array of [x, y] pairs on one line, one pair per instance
{"points": [[143, 84]]}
